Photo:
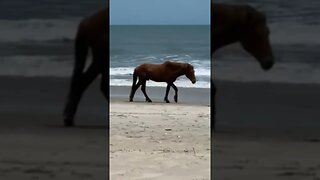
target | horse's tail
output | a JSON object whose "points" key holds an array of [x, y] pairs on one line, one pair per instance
{"points": [[81, 51], [133, 85], [134, 78]]}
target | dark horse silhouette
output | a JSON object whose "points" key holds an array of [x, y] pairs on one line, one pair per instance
{"points": [[93, 34], [244, 24], [166, 72]]}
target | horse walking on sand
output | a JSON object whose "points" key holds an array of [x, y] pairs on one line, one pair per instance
{"points": [[93, 33], [244, 24], [166, 72]]}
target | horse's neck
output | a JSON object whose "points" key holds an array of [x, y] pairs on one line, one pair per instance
{"points": [[228, 25], [180, 72], [223, 36], [176, 70]]}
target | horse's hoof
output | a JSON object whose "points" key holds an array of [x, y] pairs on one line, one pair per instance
{"points": [[167, 101], [130, 100], [68, 123], [149, 100]]}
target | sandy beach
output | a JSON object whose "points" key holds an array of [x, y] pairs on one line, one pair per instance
{"points": [[159, 141], [264, 131]]}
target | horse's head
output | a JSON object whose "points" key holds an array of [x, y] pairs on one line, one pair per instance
{"points": [[256, 39], [189, 72]]}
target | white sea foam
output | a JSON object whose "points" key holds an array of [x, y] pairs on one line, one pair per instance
{"points": [[294, 33], [118, 71], [32, 66], [57, 66], [37, 29], [300, 73]]}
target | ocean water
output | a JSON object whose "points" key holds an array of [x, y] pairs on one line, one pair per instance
{"points": [[36, 39], [131, 46]]}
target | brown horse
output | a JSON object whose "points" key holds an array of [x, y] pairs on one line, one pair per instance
{"points": [[93, 34], [244, 24], [166, 72]]}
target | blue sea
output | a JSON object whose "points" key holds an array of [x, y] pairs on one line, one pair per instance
{"points": [[36, 39], [131, 46]]}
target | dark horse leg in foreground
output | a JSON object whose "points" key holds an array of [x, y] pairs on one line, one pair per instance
{"points": [[167, 92], [167, 72], [135, 86], [244, 24], [93, 34]]}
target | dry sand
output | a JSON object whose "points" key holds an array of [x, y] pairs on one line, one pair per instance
{"points": [[159, 141], [264, 131]]}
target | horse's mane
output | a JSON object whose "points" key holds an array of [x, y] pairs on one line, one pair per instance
{"points": [[171, 64], [255, 17], [236, 13], [174, 65]]}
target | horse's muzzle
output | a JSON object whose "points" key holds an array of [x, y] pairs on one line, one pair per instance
{"points": [[194, 81]]}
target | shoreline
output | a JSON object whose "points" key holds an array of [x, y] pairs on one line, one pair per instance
{"points": [[31, 117], [239, 105], [199, 96]]}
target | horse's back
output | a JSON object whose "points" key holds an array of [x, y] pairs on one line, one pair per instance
{"points": [[147, 67], [155, 72], [95, 28], [232, 13]]}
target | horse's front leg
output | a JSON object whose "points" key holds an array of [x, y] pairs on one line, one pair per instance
{"points": [[176, 92], [167, 92]]}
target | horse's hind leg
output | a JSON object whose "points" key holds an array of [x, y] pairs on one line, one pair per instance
{"points": [[176, 92], [100, 61], [213, 118], [104, 85], [167, 92], [143, 89], [77, 90], [134, 89]]}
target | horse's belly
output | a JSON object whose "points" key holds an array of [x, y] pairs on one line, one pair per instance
{"points": [[157, 79]]}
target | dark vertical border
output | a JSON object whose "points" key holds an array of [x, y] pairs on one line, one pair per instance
{"points": [[212, 94], [108, 104]]}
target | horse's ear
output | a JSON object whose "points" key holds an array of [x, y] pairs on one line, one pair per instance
{"points": [[254, 17], [189, 66], [167, 63]]}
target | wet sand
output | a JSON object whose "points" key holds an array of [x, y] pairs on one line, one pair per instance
{"points": [[267, 131], [33, 142]]}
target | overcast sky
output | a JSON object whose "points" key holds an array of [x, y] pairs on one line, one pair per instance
{"points": [[159, 12]]}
